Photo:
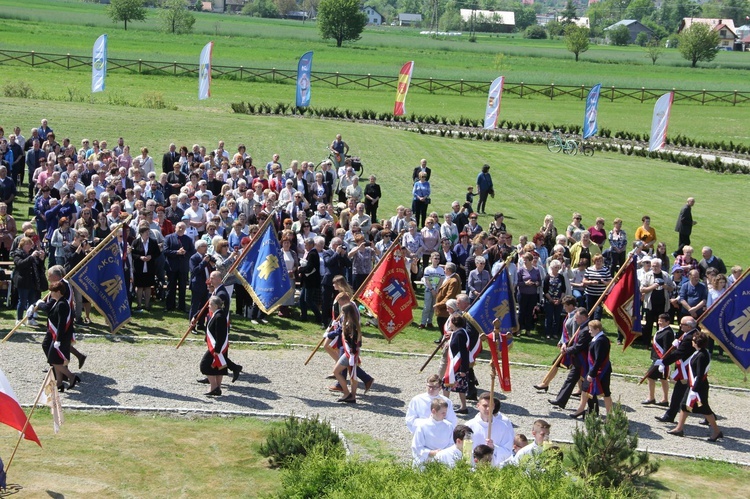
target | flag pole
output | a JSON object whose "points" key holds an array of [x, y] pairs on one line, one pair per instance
{"points": [[75, 269], [28, 418], [437, 349], [651, 369], [549, 376], [492, 401], [230, 271], [328, 329]]}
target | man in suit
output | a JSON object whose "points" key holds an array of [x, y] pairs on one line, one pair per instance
{"points": [[178, 248], [684, 226], [336, 262], [201, 265], [34, 158], [710, 260], [311, 279], [680, 355], [169, 159], [421, 168], [578, 352], [123, 183]]}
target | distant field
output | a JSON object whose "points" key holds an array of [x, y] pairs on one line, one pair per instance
{"points": [[47, 26]]}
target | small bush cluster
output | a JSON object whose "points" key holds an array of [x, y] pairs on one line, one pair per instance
{"points": [[299, 437], [19, 89]]}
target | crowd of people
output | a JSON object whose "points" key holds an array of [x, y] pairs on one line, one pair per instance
{"points": [[184, 224]]}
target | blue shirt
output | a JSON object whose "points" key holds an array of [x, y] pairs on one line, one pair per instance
{"points": [[693, 294], [421, 189]]}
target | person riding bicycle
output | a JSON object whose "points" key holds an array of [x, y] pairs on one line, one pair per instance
{"points": [[339, 150]]}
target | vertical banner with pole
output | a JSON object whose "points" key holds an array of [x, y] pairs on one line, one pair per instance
{"points": [[404, 77], [660, 122], [493, 103], [204, 72], [304, 68], [99, 64], [591, 115]]}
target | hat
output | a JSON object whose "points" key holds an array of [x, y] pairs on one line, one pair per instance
{"points": [[677, 268], [646, 259]]}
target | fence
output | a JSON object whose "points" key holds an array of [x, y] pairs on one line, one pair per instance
{"points": [[343, 80]]}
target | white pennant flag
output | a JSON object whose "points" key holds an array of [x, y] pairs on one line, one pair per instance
{"points": [[204, 72], [660, 122], [493, 103]]}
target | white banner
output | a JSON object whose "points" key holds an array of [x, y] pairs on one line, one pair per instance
{"points": [[493, 103], [99, 64], [660, 122], [204, 72]]}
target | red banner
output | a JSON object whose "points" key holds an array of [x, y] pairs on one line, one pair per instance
{"points": [[388, 294], [624, 304], [404, 77], [502, 370]]}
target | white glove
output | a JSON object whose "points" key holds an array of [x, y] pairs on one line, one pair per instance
{"points": [[39, 303], [30, 312], [676, 343], [661, 369], [56, 344], [658, 362]]}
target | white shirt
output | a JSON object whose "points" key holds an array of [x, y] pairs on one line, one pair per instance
{"points": [[529, 450], [449, 456], [419, 411], [502, 436], [430, 435]]}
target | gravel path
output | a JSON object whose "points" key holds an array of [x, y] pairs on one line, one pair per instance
{"points": [[156, 375]]}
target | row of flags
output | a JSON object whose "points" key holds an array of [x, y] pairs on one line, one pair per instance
{"points": [[659, 121]]}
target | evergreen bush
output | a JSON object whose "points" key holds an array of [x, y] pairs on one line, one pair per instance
{"points": [[299, 437]]}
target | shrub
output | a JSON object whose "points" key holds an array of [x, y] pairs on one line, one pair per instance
{"points": [[155, 100], [606, 453], [297, 438], [18, 89], [535, 32]]}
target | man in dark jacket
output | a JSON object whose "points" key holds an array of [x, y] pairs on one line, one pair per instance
{"points": [[201, 265], [336, 262], [311, 279], [684, 226], [178, 248], [578, 352]]}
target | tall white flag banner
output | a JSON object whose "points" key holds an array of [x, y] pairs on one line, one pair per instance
{"points": [[493, 103], [99, 64], [204, 72], [660, 122]]}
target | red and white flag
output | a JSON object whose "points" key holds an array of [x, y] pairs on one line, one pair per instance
{"points": [[11, 413], [660, 122], [501, 369], [402, 87], [388, 293]]}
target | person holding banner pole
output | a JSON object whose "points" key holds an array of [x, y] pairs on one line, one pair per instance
{"points": [[56, 344], [599, 372], [214, 361]]}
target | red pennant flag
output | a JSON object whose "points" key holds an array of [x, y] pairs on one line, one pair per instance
{"points": [[503, 372], [388, 294], [404, 77], [11, 413], [624, 304]]}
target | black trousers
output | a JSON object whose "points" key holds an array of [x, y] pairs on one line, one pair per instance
{"points": [[684, 240], [482, 201], [574, 374], [177, 284], [678, 392]]}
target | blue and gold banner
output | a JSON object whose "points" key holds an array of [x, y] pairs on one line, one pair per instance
{"points": [[102, 281], [304, 70], [263, 273], [495, 302], [728, 321]]}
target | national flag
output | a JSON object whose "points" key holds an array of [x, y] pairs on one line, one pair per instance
{"points": [[99, 64], [388, 294], [404, 77], [728, 321], [51, 399], [101, 279], [493, 103], [624, 304], [495, 302], [304, 70], [204, 72], [11, 413], [502, 370], [590, 123], [660, 122], [263, 273]]}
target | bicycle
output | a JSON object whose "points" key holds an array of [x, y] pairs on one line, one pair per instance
{"points": [[557, 144], [352, 161], [586, 149]]}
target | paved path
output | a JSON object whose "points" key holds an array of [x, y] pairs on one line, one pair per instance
{"points": [[147, 374]]}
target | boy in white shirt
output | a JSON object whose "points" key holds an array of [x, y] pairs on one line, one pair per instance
{"points": [[540, 431], [433, 435], [502, 429], [455, 452], [419, 408]]}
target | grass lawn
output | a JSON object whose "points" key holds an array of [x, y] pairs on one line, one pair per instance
{"points": [[532, 182], [101, 455], [142, 455], [241, 40]]}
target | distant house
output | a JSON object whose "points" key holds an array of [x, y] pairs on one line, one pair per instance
{"points": [[206, 6], [297, 15], [373, 16], [490, 20], [409, 19], [725, 28], [634, 27]]}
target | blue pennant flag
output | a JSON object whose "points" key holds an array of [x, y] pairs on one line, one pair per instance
{"points": [[728, 321], [304, 71], [102, 281], [263, 273], [590, 119], [495, 302]]}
